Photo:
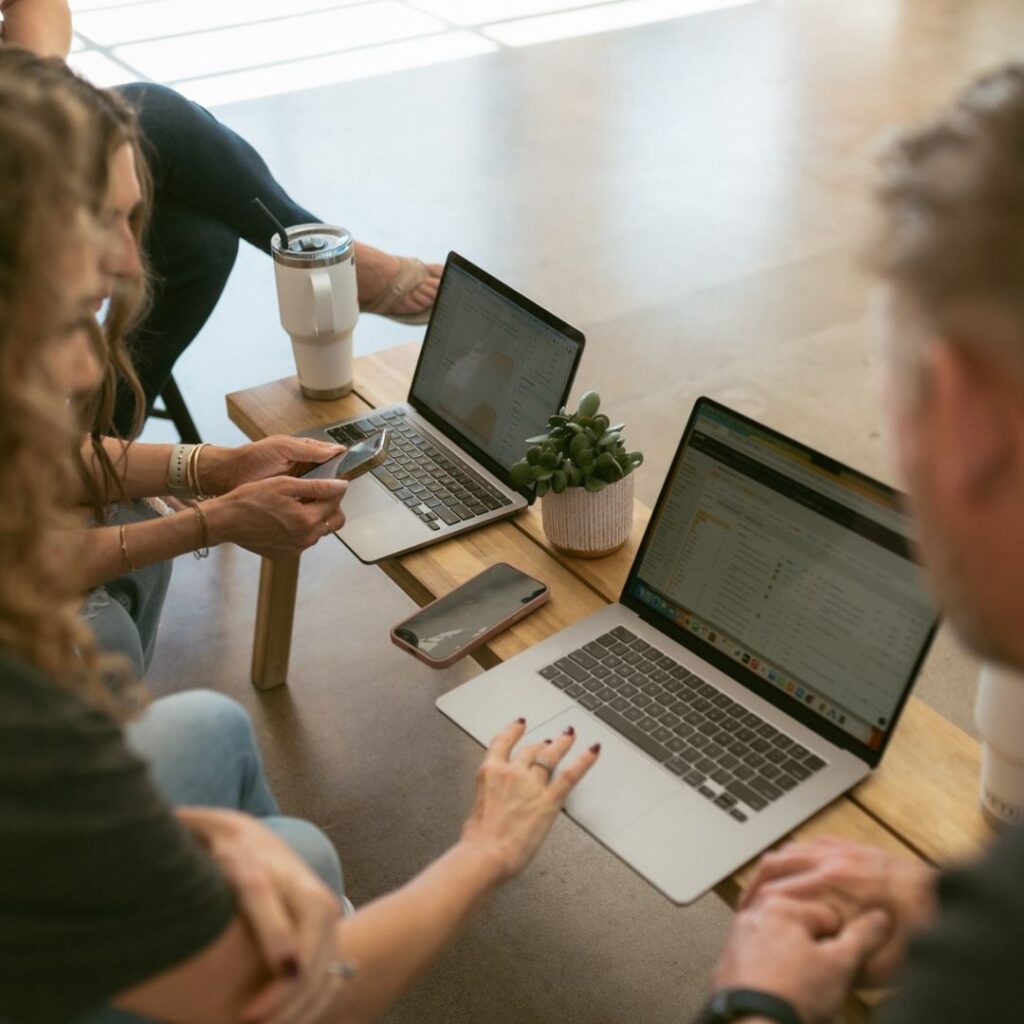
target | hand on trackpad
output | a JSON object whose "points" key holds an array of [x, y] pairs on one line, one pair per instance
{"points": [[624, 784]]}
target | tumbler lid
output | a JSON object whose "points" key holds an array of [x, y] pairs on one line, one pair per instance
{"points": [[313, 245]]}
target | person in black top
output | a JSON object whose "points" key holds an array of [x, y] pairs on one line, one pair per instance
{"points": [[820, 917]]}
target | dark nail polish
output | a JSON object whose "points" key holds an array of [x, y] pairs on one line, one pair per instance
{"points": [[547, 741], [290, 966], [568, 731], [596, 748], [521, 721]]}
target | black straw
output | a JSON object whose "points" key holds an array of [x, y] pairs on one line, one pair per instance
{"points": [[281, 229]]}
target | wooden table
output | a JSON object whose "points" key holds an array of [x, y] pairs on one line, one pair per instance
{"points": [[921, 802]]}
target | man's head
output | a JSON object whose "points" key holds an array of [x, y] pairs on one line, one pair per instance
{"points": [[950, 257]]}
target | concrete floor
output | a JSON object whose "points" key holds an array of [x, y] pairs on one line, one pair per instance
{"points": [[693, 195]]}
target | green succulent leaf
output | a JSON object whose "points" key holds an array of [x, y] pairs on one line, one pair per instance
{"points": [[575, 475], [589, 404], [533, 455], [557, 421], [595, 484], [577, 445], [609, 440], [542, 488], [635, 458], [616, 472], [600, 424], [617, 428], [559, 481], [575, 428], [549, 460], [585, 457], [520, 474], [539, 439]]}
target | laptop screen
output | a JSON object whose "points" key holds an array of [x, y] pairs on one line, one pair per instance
{"points": [[494, 365], [791, 567]]}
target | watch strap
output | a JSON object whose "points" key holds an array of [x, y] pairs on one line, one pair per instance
{"points": [[733, 1004], [177, 463]]}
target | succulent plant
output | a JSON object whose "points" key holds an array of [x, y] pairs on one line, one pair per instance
{"points": [[583, 449]]}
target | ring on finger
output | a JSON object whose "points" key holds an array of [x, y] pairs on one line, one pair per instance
{"points": [[327, 528], [340, 969], [539, 762]]}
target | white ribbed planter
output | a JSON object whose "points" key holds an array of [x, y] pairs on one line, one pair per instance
{"points": [[588, 524]]}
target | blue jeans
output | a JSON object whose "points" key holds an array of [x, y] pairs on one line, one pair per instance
{"points": [[202, 752], [205, 178], [124, 614]]}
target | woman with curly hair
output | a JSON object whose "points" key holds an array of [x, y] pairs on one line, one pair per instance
{"points": [[255, 499], [108, 896]]}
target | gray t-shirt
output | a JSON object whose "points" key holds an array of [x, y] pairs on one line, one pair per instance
{"points": [[100, 885], [969, 968]]}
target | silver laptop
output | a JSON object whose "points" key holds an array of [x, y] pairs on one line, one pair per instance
{"points": [[493, 367], [765, 642]]}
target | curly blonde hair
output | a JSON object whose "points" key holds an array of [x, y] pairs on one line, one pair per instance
{"points": [[45, 148], [113, 124]]}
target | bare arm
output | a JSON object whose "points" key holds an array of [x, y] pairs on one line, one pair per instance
{"points": [[43, 26], [393, 940]]}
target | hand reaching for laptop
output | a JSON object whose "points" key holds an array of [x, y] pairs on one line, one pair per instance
{"points": [[519, 796]]}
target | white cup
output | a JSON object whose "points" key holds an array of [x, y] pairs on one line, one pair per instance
{"points": [[318, 303], [999, 713]]}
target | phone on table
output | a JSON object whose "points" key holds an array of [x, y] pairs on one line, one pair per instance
{"points": [[359, 459], [470, 615]]}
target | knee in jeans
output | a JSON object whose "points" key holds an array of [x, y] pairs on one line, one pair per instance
{"points": [[220, 717]]}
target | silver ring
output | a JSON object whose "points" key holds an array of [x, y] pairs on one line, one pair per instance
{"points": [[542, 764], [327, 528], [340, 969]]}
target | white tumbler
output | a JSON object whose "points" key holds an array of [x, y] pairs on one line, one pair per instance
{"points": [[999, 713], [316, 295]]}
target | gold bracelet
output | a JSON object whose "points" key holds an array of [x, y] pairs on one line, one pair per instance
{"points": [[124, 548], [192, 472], [203, 551]]}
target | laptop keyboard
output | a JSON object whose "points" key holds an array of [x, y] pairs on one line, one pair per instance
{"points": [[716, 746], [433, 484]]}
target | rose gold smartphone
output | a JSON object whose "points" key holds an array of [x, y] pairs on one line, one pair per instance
{"points": [[453, 625], [359, 459]]}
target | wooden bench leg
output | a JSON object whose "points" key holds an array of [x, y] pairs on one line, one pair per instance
{"points": [[275, 612]]}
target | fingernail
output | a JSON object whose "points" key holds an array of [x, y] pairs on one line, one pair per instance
{"points": [[547, 741], [596, 748], [290, 966], [521, 721], [568, 731]]}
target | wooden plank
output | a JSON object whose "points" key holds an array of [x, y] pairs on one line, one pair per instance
{"points": [[279, 408], [927, 784]]}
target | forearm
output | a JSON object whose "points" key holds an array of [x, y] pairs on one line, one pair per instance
{"points": [[394, 940], [147, 542], [143, 468], [42, 26]]}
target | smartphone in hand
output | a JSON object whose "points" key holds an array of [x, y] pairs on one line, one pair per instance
{"points": [[453, 625], [359, 459]]}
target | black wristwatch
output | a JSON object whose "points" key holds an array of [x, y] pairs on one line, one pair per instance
{"points": [[731, 1004]]}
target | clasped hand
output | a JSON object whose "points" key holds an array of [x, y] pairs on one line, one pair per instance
{"points": [[821, 917]]}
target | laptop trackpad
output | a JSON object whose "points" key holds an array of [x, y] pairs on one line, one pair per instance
{"points": [[366, 496], [623, 786]]}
